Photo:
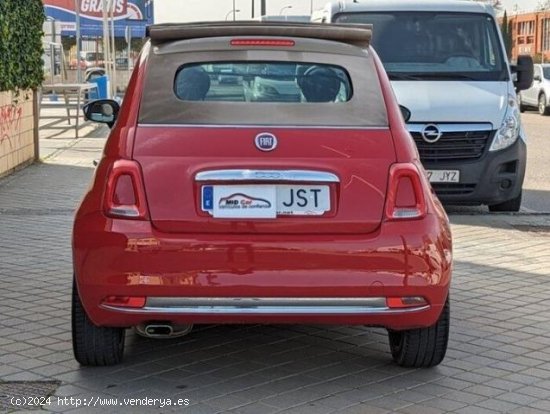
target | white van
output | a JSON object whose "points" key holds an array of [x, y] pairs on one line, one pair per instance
{"points": [[448, 67]]}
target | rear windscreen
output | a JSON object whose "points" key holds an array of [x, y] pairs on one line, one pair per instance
{"points": [[263, 82], [261, 87]]}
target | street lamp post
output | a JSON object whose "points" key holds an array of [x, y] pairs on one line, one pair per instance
{"points": [[284, 8], [106, 43], [112, 5], [78, 41], [232, 11], [545, 36]]}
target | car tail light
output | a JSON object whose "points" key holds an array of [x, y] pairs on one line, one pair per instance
{"points": [[125, 194], [406, 302], [125, 301], [263, 42], [405, 193]]}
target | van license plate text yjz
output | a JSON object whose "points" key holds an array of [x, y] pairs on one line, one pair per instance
{"points": [[443, 176]]}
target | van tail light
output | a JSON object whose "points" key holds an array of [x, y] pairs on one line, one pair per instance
{"points": [[405, 193], [125, 193]]}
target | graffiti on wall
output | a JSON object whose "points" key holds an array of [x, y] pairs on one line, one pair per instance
{"points": [[10, 122]]}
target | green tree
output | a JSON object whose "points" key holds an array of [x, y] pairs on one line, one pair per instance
{"points": [[21, 65], [506, 29]]}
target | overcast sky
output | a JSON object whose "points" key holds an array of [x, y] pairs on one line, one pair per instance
{"points": [[196, 10], [521, 4]]}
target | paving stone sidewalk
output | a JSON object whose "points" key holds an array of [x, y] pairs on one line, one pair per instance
{"points": [[498, 359]]}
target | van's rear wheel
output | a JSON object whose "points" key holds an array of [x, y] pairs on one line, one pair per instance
{"points": [[424, 347], [544, 109], [94, 345]]}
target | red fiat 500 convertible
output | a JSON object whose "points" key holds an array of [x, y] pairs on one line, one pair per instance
{"points": [[292, 195]]}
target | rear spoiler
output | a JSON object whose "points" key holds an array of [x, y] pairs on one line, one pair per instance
{"points": [[355, 34]]}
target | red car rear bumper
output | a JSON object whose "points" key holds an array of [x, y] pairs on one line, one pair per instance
{"points": [[131, 258]]}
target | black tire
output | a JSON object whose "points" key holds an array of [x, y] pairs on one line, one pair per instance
{"points": [[509, 206], [520, 104], [424, 347], [544, 109], [94, 345]]}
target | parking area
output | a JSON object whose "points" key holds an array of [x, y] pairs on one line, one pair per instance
{"points": [[498, 359]]}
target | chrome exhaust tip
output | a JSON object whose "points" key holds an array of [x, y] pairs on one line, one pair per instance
{"points": [[163, 330]]}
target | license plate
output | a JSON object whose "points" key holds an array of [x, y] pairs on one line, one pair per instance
{"points": [[265, 201], [443, 176]]}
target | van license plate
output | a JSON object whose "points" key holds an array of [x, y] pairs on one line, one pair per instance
{"points": [[443, 176], [265, 201]]}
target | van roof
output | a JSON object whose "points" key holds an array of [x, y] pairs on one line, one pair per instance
{"points": [[355, 34], [463, 6]]}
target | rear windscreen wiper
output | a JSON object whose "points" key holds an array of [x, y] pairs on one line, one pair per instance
{"points": [[443, 75], [403, 76]]}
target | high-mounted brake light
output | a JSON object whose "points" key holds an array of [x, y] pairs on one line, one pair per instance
{"points": [[405, 193], [125, 193], [263, 42]]}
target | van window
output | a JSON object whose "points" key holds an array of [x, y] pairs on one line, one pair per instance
{"points": [[435, 45], [263, 82]]}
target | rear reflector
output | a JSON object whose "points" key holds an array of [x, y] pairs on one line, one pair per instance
{"points": [[125, 194], [405, 193], [406, 302], [125, 301], [263, 42]]}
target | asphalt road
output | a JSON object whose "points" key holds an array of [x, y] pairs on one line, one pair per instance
{"points": [[536, 188]]}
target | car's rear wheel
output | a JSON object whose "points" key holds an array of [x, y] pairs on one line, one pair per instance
{"points": [[94, 345], [544, 109], [510, 206], [423, 347]]}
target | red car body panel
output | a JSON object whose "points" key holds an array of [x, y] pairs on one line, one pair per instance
{"points": [[179, 251], [171, 157], [125, 257]]}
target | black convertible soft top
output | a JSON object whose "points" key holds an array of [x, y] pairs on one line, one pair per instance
{"points": [[355, 34]]}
